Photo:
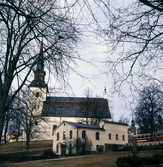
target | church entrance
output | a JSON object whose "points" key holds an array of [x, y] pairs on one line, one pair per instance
{"points": [[63, 149]]}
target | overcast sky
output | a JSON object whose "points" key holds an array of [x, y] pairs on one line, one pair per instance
{"points": [[94, 51], [96, 77]]}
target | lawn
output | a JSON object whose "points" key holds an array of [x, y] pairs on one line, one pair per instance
{"points": [[106, 159]]}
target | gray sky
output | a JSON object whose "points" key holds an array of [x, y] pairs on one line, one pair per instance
{"points": [[94, 51]]}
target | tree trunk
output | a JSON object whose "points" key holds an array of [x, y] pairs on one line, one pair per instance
{"points": [[27, 143], [1, 122], [6, 127]]}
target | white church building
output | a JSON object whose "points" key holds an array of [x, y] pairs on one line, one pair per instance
{"points": [[64, 119]]}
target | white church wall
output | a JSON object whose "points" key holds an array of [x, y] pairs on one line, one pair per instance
{"points": [[118, 134], [63, 129], [36, 98], [91, 134], [76, 132]]}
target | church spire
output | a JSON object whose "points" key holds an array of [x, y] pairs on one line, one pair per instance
{"points": [[40, 65], [105, 93], [39, 73]]}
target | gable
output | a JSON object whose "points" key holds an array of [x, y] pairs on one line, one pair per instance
{"points": [[75, 107]]}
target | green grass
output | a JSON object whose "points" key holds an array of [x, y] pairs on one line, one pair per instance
{"points": [[106, 159]]}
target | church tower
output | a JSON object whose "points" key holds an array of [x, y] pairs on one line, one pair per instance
{"points": [[132, 127], [38, 87]]}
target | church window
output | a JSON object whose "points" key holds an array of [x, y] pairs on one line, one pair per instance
{"points": [[70, 134], [57, 149], [64, 135], [37, 94], [57, 136], [123, 137], [83, 134], [54, 126], [116, 136], [97, 136], [110, 136]]}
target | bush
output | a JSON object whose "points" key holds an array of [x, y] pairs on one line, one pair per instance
{"points": [[48, 154], [134, 161], [156, 159], [126, 148], [130, 161]]}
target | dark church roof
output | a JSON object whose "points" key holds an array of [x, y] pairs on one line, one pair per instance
{"points": [[76, 107], [38, 83]]}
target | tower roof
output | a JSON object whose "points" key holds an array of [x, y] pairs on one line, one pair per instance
{"points": [[40, 64], [39, 73]]}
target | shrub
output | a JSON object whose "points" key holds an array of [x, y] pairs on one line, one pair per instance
{"points": [[126, 148], [121, 161], [48, 154], [156, 159], [134, 161], [130, 161]]}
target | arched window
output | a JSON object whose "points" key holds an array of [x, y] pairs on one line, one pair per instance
{"points": [[83, 134], [123, 137], [110, 136], [70, 134], [116, 136], [57, 136], [37, 94], [57, 149], [97, 136], [64, 135], [53, 128]]}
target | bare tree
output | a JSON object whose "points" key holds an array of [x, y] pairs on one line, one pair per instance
{"points": [[82, 145], [135, 41], [11, 123], [123, 119], [92, 108], [159, 124], [23, 25], [88, 92], [31, 121], [148, 108]]}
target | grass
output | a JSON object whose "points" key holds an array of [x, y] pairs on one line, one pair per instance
{"points": [[106, 159], [35, 146]]}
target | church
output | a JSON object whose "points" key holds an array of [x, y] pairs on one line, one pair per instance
{"points": [[64, 115]]}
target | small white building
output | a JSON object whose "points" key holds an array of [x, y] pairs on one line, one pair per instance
{"points": [[91, 137]]}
